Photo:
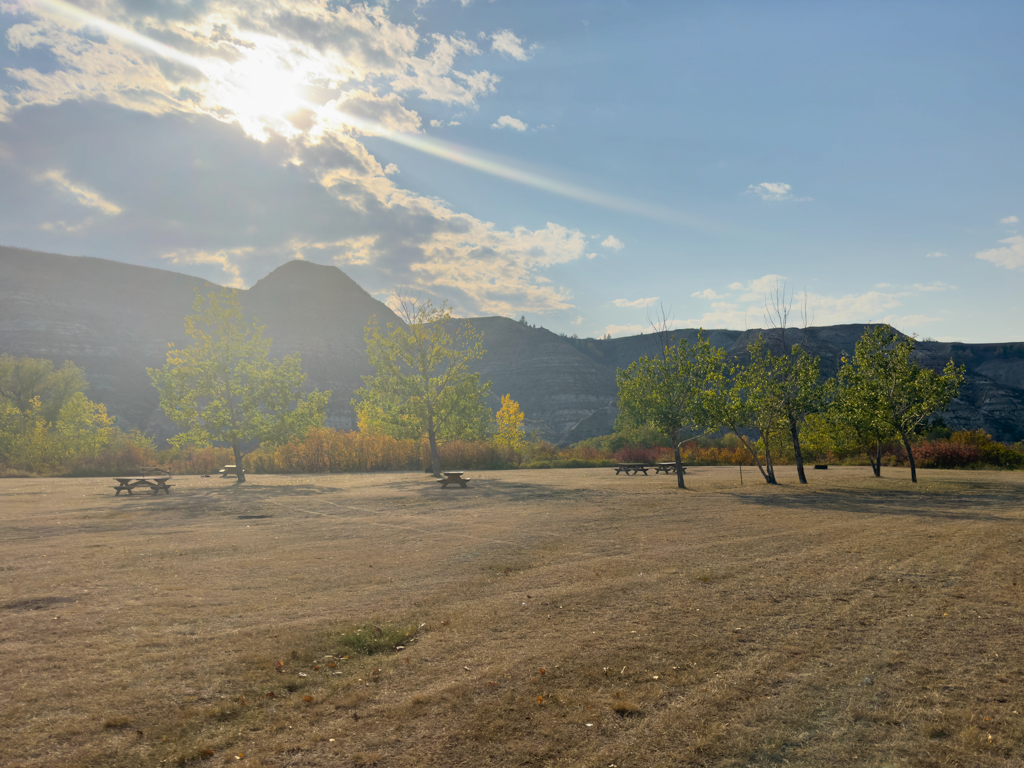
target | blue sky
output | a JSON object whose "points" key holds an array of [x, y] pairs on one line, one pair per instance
{"points": [[587, 164]]}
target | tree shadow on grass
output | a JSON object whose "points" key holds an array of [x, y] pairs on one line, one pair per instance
{"points": [[979, 502]]}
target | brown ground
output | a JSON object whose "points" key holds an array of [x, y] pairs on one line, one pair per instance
{"points": [[571, 618]]}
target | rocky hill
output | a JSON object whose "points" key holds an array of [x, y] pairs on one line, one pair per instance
{"points": [[115, 320]]}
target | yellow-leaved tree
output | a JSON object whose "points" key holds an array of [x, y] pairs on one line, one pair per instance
{"points": [[510, 433]]}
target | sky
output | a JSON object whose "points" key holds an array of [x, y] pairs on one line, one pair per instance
{"points": [[593, 166]]}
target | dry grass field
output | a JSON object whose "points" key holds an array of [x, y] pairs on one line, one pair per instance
{"points": [[560, 617]]}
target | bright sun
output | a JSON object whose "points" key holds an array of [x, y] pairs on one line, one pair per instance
{"points": [[262, 89]]}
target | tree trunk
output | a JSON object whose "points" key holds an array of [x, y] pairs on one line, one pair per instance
{"points": [[238, 460], [757, 459], [679, 469], [910, 455], [876, 463], [435, 457], [769, 465], [794, 430]]}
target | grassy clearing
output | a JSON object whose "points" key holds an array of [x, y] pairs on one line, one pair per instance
{"points": [[536, 618]]}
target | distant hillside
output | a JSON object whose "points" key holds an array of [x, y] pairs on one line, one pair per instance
{"points": [[115, 320]]}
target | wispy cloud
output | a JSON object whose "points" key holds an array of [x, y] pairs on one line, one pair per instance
{"points": [[505, 42], [635, 303], [708, 293], [84, 195], [936, 286], [229, 260], [936, 255], [507, 121], [1009, 220], [759, 289], [624, 330], [877, 305], [1010, 256], [613, 242], [774, 191]]}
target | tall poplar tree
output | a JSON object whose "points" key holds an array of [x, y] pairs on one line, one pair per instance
{"points": [[224, 388], [678, 393], [883, 390], [423, 384]]}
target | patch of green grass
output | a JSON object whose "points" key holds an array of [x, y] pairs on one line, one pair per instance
{"points": [[369, 639]]}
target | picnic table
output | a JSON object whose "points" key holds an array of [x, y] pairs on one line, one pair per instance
{"points": [[668, 467], [228, 469], [632, 467], [453, 477], [140, 480]]}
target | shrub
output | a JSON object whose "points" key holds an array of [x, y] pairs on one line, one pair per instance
{"points": [[376, 638]]}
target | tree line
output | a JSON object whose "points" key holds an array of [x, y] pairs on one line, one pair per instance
{"points": [[880, 393], [223, 388]]}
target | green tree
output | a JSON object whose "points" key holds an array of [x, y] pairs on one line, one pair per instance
{"points": [[885, 392], [509, 430], [423, 385], [754, 398], [676, 393], [803, 394], [25, 379], [223, 387]]}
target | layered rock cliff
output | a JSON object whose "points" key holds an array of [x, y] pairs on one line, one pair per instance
{"points": [[115, 320]]}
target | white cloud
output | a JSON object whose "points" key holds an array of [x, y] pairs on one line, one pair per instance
{"points": [[228, 260], [507, 121], [936, 255], [298, 72], [613, 242], [436, 123], [81, 193], [624, 330], [250, 63], [1007, 220], [1010, 256], [761, 288], [577, 321], [774, 191], [505, 42], [876, 305], [636, 303], [936, 286], [708, 293]]}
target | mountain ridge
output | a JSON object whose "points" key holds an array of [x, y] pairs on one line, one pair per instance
{"points": [[115, 320]]}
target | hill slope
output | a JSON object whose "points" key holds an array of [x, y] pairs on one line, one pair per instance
{"points": [[115, 320]]}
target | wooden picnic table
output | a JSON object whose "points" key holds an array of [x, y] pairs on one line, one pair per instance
{"points": [[668, 467], [228, 469], [632, 467], [453, 477], [134, 483]]}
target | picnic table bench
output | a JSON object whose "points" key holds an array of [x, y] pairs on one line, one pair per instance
{"points": [[668, 467], [453, 477], [228, 469], [632, 467], [140, 480]]}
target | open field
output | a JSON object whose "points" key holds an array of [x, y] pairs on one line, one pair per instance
{"points": [[569, 617]]}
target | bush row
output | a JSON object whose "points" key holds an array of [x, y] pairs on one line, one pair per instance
{"points": [[324, 450]]}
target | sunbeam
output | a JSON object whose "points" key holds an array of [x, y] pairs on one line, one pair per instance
{"points": [[266, 84]]}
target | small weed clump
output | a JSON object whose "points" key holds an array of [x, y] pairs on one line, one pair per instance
{"points": [[369, 639]]}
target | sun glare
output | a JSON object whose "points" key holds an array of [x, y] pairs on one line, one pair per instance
{"points": [[263, 88]]}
